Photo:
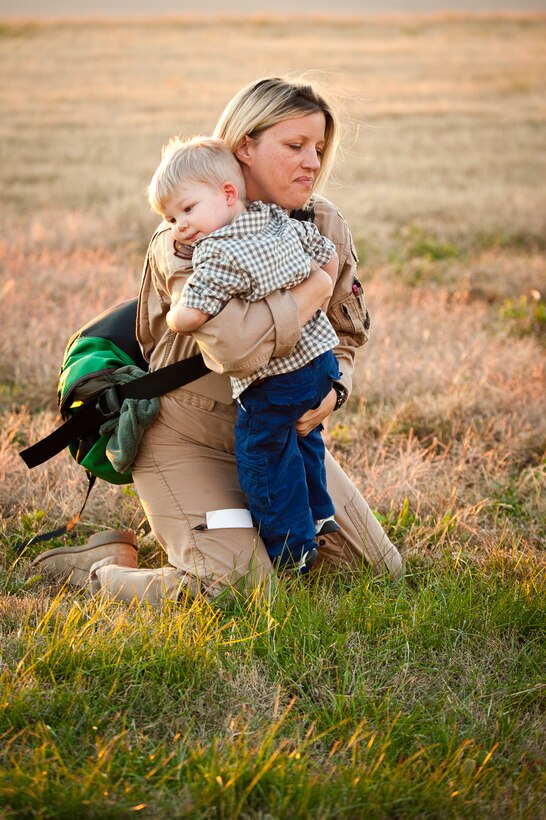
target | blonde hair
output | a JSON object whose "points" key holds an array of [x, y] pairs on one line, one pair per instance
{"points": [[199, 159], [264, 103]]}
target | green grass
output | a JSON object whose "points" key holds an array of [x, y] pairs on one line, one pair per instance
{"points": [[526, 315], [340, 698]]}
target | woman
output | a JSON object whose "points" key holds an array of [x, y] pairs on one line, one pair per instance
{"points": [[285, 136]]}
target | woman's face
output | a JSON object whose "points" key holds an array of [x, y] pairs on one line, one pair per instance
{"points": [[281, 165]]}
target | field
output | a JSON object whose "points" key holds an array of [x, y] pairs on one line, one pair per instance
{"points": [[344, 696]]}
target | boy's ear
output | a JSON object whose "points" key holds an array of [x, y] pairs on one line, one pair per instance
{"points": [[231, 192]]}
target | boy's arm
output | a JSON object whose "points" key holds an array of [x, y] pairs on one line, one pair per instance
{"points": [[184, 319], [215, 279]]}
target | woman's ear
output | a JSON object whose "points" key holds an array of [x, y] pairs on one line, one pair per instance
{"points": [[243, 152], [231, 192]]}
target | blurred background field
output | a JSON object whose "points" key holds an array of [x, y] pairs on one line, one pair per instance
{"points": [[347, 696], [441, 178]]}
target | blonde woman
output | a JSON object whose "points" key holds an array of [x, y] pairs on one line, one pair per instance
{"points": [[284, 135]]}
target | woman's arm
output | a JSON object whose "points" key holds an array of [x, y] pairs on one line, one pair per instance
{"points": [[347, 311], [315, 291], [244, 336]]}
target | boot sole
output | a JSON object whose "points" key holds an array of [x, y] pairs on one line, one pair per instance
{"points": [[100, 539]]}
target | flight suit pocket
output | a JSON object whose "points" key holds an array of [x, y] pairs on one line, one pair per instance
{"points": [[350, 317]]}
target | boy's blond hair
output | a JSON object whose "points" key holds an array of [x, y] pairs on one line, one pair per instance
{"points": [[199, 159]]}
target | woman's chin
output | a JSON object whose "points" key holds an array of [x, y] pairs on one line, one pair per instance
{"points": [[291, 201], [295, 203]]}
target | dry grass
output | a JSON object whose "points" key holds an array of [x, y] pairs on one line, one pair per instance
{"points": [[441, 184], [450, 115]]}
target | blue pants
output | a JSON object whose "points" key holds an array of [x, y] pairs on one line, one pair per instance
{"points": [[282, 474]]}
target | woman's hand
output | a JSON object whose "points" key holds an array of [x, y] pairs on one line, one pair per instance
{"points": [[314, 417]]}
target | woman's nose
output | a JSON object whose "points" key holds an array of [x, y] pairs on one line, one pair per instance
{"points": [[311, 159]]}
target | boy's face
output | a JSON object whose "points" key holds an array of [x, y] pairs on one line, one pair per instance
{"points": [[197, 208]]}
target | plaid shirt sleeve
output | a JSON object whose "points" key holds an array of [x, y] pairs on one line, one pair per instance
{"points": [[320, 248], [216, 279]]}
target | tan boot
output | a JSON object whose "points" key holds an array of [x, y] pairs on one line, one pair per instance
{"points": [[72, 564]]}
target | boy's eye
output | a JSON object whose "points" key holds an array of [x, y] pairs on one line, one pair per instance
{"points": [[187, 209], [170, 219]]}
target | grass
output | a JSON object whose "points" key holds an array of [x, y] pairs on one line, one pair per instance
{"points": [[335, 699], [344, 695]]}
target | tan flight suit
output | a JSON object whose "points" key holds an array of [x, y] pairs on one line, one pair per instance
{"points": [[185, 465]]}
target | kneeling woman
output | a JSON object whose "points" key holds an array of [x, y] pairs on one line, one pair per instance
{"points": [[284, 136]]}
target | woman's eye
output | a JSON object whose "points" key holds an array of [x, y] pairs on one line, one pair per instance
{"points": [[295, 147]]}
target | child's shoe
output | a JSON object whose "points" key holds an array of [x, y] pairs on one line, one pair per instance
{"points": [[325, 526]]}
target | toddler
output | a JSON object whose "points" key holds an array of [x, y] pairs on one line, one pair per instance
{"points": [[246, 251]]}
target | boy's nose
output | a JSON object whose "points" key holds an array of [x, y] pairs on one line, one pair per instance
{"points": [[179, 227]]}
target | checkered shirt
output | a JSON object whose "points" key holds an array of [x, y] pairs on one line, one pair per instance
{"points": [[261, 251]]}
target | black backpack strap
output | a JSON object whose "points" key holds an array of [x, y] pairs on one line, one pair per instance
{"points": [[48, 536], [108, 404]]}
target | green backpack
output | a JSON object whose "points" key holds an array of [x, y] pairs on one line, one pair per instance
{"points": [[99, 348], [86, 399]]}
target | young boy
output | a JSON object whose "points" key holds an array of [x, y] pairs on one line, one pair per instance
{"points": [[246, 252]]}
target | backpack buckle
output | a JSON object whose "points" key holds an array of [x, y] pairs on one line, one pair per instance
{"points": [[108, 403]]}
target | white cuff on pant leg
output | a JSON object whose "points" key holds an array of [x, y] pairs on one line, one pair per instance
{"points": [[126, 584], [93, 582]]}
